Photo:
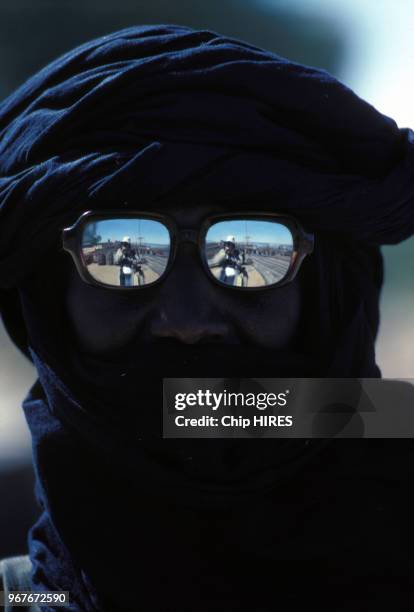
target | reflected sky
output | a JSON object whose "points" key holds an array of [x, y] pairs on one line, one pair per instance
{"points": [[251, 231], [153, 232], [147, 230]]}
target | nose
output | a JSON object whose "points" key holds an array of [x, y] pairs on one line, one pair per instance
{"points": [[188, 306]]}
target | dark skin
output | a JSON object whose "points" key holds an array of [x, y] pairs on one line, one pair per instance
{"points": [[187, 306]]}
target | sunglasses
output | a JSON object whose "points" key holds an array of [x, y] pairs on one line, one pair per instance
{"points": [[127, 251]]}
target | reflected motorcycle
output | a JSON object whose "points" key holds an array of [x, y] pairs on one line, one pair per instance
{"points": [[234, 273]]}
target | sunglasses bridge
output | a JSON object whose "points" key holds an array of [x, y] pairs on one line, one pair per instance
{"points": [[188, 235]]}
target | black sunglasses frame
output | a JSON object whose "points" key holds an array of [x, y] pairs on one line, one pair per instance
{"points": [[303, 243]]}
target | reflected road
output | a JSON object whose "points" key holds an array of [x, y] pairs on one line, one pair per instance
{"points": [[156, 263], [271, 268]]}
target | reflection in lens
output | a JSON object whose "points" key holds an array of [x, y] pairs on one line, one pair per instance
{"points": [[126, 252], [249, 253]]}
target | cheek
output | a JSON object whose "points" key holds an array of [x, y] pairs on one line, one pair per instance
{"points": [[271, 319], [101, 321]]}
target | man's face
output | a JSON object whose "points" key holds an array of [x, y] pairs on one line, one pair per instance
{"points": [[186, 307]]}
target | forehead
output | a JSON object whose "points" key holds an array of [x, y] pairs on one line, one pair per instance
{"points": [[190, 216]]}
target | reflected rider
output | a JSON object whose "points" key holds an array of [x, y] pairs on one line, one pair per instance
{"points": [[128, 261], [229, 259]]}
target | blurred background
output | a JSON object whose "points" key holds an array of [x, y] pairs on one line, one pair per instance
{"points": [[367, 44]]}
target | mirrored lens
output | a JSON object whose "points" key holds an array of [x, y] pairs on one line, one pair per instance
{"points": [[126, 252], [249, 253]]}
